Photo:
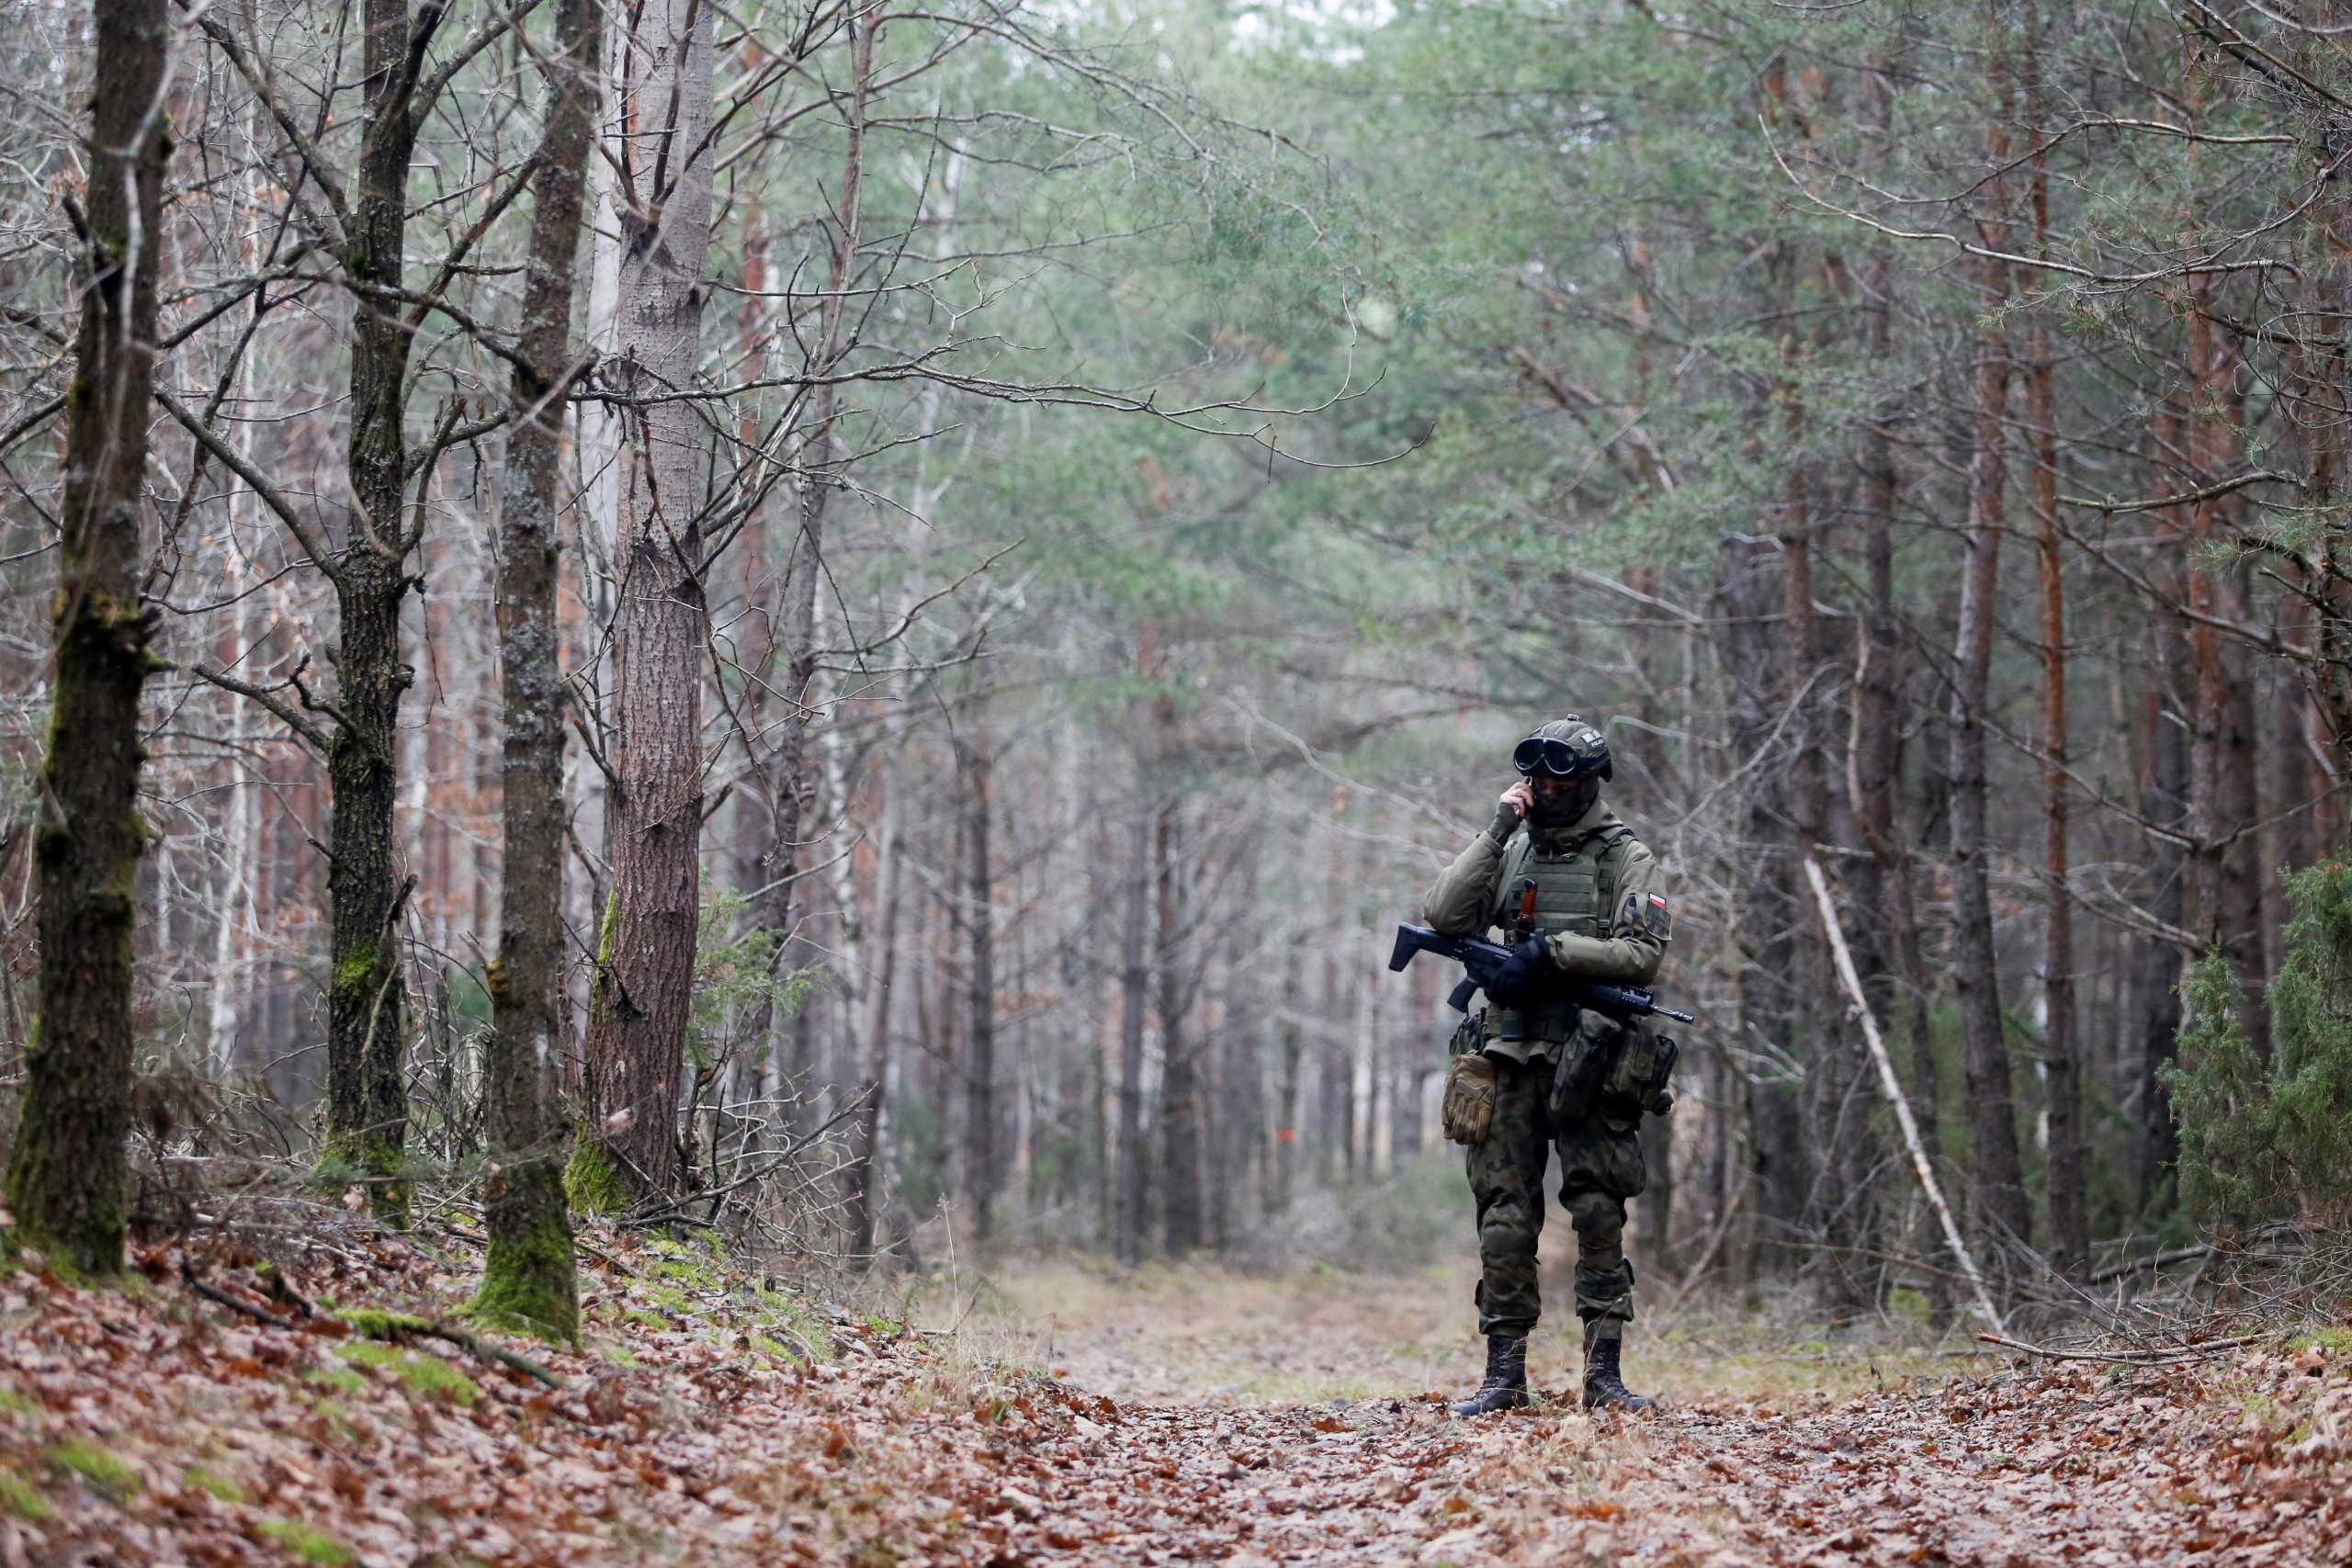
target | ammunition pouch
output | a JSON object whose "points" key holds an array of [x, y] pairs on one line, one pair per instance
{"points": [[1614, 1069], [1469, 1035], [1640, 1066], [1578, 1071], [1542, 1019]]}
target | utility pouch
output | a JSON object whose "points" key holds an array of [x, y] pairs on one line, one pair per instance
{"points": [[1582, 1066], [1641, 1064], [1469, 1035], [1468, 1108]]}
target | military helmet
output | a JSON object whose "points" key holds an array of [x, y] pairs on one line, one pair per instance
{"points": [[1566, 749]]}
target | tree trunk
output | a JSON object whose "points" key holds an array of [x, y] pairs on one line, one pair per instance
{"points": [[1405, 1128], [1993, 1135], [2155, 962], [1657, 1207], [67, 1181], [529, 1277], [1237, 1095], [1287, 1100], [2069, 1220], [1888, 959], [980, 1129], [1832, 1117], [2223, 762], [866, 1146], [1180, 1125], [1134, 976], [787, 778], [1338, 1084], [1780, 1164], [367, 1026], [645, 959], [1109, 1195]]}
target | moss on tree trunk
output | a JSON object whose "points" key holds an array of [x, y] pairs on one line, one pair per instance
{"points": [[529, 1281], [530, 1284], [589, 1183], [67, 1180]]}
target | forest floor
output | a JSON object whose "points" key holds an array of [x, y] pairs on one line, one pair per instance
{"points": [[1059, 1414]]}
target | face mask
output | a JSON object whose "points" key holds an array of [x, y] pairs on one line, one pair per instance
{"points": [[1557, 811]]}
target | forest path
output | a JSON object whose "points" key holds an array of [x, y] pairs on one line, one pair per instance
{"points": [[1189, 1417], [1247, 1421]]}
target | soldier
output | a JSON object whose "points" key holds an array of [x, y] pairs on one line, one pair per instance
{"points": [[1599, 915]]}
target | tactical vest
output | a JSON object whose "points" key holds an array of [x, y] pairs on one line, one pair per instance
{"points": [[1576, 891]]}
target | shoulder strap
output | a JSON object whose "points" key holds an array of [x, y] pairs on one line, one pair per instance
{"points": [[1610, 837], [1610, 858], [1515, 859]]}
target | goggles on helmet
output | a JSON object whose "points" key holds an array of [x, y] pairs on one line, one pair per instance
{"points": [[1560, 757]]}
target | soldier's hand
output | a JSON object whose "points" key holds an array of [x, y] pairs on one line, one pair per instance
{"points": [[1516, 981], [1511, 810]]}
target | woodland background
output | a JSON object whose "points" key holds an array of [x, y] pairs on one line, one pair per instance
{"points": [[1060, 524]]}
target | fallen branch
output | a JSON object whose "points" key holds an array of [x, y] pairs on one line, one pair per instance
{"points": [[2153, 1260], [390, 1326], [219, 1297], [581, 1245], [387, 1327], [2158, 1356], [1894, 1093]]}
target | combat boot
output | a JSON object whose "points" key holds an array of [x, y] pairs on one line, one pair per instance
{"points": [[1604, 1387], [1506, 1384]]}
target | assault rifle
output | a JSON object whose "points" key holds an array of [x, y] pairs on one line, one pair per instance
{"points": [[1484, 959]]}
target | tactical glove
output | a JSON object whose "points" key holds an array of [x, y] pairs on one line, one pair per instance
{"points": [[1516, 981], [1467, 1109], [1506, 822]]}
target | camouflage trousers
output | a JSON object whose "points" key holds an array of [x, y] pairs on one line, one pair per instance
{"points": [[1601, 1167]]}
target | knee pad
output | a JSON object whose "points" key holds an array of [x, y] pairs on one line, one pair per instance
{"points": [[1596, 1214], [1507, 1218]]}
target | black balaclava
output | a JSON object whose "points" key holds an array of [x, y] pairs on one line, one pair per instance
{"points": [[1558, 811], [1586, 790]]}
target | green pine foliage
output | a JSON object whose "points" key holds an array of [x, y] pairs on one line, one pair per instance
{"points": [[2268, 1141]]}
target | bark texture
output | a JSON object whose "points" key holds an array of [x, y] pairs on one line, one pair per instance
{"points": [[366, 1012], [2061, 1055], [1752, 587], [2155, 1038], [530, 1277], [1993, 1136], [636, 1030], [787, 775], [66, 1174], [1135, 973], [865, 1148], [1181, 1120], [979, 898]]}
